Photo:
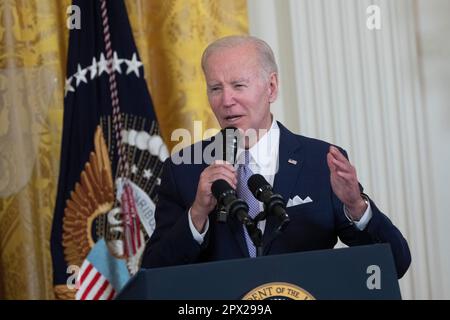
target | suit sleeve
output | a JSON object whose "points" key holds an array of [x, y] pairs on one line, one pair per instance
{"points": [[379, 230], [172, 242]]}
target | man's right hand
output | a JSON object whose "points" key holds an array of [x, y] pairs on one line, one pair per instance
{"points": [[205, 202]]}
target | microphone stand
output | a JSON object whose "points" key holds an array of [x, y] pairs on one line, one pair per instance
{"points": [[221, 214], [250, 224], [255, 235]]}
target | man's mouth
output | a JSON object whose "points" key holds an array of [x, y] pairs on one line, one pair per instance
{"points": [[233, 118]]}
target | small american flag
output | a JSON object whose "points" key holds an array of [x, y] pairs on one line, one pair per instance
{"points": [[94, 285], [101, 275]]}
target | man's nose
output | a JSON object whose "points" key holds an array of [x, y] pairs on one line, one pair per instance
{"points": [[228, 97]]}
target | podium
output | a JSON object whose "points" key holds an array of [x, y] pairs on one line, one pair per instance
{"points": [[363, 272]]}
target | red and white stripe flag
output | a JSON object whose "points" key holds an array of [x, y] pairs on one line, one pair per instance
{"points": [[101, 275], [93, 285]]}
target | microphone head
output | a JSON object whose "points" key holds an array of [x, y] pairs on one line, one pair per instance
{"points": [[220, 187], [230, 144], [256, 184]]}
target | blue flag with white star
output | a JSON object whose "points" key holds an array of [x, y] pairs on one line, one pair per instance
{"points": [[111, 155]]}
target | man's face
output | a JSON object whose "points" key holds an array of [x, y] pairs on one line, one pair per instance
{"points": [[238, 92]]}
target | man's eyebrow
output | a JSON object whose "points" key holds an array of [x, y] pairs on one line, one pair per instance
{"points": [[217, 83], [240, 80], [213, 84]]}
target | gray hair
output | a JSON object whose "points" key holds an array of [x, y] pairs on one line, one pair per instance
{"points": [[267, 59]]}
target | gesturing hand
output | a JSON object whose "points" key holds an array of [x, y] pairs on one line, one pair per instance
{"points": [[344, 183]]}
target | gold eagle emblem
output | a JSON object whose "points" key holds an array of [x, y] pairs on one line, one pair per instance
{"points": [[92, 196]]}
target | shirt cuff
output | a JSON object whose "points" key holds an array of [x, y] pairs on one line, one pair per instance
{"points": [[199, 237], [365, 219]]}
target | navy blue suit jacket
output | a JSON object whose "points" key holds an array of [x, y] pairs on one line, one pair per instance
{"points": [[313, 226]]}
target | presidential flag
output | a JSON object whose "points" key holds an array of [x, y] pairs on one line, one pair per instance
{"points": [[111, 157]]}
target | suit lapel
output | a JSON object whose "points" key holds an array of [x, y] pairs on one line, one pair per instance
{"points": [[290, 162]]}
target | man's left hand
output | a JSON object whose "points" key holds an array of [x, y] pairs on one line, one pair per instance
{"points": [[344, 183]]}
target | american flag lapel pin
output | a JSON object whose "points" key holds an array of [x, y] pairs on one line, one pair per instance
{"points": [[292, 161]]}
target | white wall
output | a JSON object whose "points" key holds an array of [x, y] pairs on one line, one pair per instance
{"points": [[433, 17], [375, 94]]}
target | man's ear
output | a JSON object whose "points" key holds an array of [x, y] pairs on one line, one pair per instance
{"points": [[273, 87]]}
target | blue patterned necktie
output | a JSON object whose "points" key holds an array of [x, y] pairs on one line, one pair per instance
{"points": [[244, 193]]}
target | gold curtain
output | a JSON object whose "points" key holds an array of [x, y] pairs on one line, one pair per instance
{"points": [[170, 35]]}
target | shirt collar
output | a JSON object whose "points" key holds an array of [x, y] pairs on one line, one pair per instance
{"points": [[265, 151]]}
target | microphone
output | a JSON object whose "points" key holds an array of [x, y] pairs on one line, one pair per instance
{"points": [[227, 150], [231, 204], [273, 203], [230, 144]]}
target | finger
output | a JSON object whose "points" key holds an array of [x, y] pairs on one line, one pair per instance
{"points": [[214, 175], [331, 165], [208, 178], [222, 164], [206, 182], [342, 166], [348, 177], [223, 175], [231, 180], [339, 160], [337, 154], [215, 170]]}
